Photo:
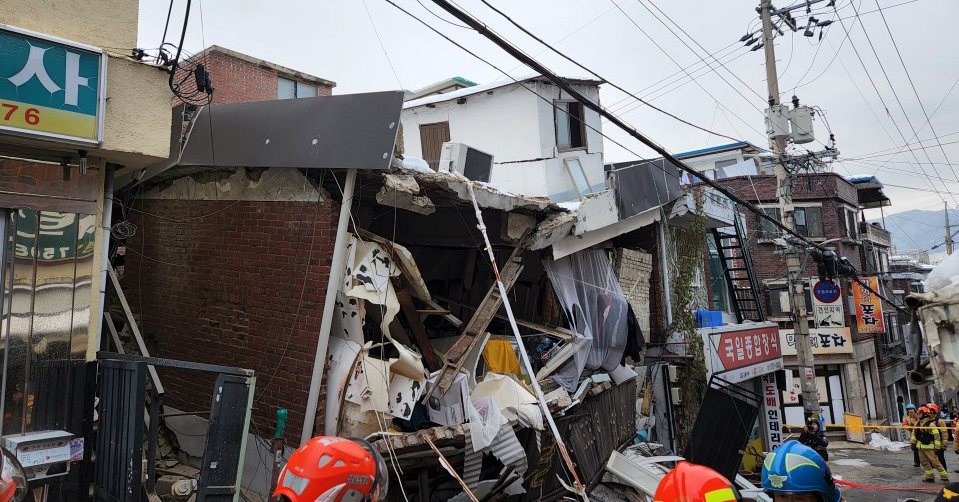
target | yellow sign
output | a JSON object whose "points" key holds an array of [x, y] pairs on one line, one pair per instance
{"points": [[868, 306]]}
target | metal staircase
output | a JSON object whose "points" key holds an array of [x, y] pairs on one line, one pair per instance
{"points": [[732, 246]]}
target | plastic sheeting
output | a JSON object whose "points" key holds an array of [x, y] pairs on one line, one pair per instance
{"points": [[595, 307]]}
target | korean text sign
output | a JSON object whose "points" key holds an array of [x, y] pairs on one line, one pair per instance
{"points": [[868, 306], [772, 411], [51, 88], [822, 341], [740, 355], [827, 304]]}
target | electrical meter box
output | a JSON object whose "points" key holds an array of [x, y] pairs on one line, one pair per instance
{"points": [[42, 454]]}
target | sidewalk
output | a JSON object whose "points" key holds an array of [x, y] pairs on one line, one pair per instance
{"points": [[858, 463]]}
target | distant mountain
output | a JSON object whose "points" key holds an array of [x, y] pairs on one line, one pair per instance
{"points": [[918, 229]]}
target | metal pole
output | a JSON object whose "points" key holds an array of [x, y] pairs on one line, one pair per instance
{"points": [[337, 268], [804, 355], [948, 233]]}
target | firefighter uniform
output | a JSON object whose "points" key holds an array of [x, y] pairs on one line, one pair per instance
{"points": [[944, 434], [927, 441], [908, 422]]}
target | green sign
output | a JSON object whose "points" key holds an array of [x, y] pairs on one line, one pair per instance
{"points": [[51, 88]]}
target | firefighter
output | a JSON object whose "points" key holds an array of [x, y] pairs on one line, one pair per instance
{"points": [[912, 420], [927, 439], [796, 473], [13, 481], [813, 437], [943, 433], [695, 483], [333, 469]]}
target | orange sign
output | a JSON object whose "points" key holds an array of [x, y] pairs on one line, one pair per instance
{"points": [[868, 306]]}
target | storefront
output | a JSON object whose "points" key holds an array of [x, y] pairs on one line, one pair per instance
{"points": [[847, 377]]}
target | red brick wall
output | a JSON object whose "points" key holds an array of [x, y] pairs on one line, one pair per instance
{"points": [[220, 282], [238, 81]]}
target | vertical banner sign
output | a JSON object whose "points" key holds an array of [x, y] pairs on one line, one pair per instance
{"points": [[827, 304], [771, 408], [51, 88], [868, 306]]}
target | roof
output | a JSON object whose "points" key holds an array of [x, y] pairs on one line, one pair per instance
{"points": [[870, 191], [296, 74], [719, 148], [476, 89], [439, 86], [326, 132]]}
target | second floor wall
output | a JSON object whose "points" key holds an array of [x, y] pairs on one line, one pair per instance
{"points": [[543, 142]]}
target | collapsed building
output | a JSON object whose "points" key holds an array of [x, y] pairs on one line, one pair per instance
{"points": [[234, 245]]}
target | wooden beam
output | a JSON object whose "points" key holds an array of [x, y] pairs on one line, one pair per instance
{"points": [[422, 340], [134, 329], [113, 332]]}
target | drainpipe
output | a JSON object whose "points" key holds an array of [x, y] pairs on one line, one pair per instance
{"points": [[105, 223], [664, 272], [337, 269]]}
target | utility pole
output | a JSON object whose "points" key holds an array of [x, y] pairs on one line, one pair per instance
{"points": [[804, 355], [948, 230]]}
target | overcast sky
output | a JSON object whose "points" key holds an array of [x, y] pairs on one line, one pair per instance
{"points": [[337, 40]]}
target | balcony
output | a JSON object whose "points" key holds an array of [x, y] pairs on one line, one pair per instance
{"points": [[717, 208], [875, 234]]}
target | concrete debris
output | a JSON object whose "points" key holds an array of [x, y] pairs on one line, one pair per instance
{"points": [[401, 191]]}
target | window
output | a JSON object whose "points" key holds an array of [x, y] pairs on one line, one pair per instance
{"points": [[766, 229], [289, 89], [577, 176], [570, 128], [898, 297], [851, 224], [808, 221]]}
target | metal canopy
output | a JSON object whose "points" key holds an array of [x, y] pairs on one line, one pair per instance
{"points": [[328, 132]]}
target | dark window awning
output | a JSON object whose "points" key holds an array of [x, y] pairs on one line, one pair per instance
{"points": [[327, 132], [869, 189]]}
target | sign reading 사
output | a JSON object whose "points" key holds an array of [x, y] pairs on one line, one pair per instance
{"points": [[51, 88], [827, 304]]}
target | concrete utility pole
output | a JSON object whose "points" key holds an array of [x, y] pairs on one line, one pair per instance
{"points": [[948, 230], [804, 355]]}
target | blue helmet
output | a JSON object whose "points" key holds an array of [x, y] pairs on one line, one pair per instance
{"points": [[795, 468], [910, 406]]}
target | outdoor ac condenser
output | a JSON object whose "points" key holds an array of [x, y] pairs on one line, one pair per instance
{"points": [[468, 161]]}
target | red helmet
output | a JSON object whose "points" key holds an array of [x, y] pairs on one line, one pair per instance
{"points": [[695, 483], [924, 409], [933, 407], [333, 469], [13, 481]]}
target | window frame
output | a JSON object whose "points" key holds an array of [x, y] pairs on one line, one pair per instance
{"points": [[805, 218], [297, 85], [557, 110], [766, 230]]}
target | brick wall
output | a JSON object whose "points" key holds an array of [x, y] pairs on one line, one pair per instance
{"points": [[239, 81], [633, 269], [221, 282]]}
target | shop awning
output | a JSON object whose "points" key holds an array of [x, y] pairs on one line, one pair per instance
{"points": [[327, 132]]}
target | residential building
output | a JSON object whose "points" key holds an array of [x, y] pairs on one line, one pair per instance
{"points": [[239, 78], [851, 375], [723, 161], [76, 110], [543, 143], [907, 277]]}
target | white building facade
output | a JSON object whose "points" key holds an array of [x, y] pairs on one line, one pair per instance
{"points": [[543, 142]]}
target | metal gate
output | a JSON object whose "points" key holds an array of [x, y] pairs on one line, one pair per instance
{"points": [[119, 464], [722, 429]]}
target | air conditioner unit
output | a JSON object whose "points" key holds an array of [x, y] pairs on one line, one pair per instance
{"points": [[468, 161]]}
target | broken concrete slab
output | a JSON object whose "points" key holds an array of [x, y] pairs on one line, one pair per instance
{"points": [[402, 191]]}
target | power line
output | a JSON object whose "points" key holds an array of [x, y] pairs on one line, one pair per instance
{"points": [[893, 89], [597, 75], [671, 58], [380, 40], [881, 99]]}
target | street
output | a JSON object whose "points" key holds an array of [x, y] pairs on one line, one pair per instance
{"points": [[863, 465]]}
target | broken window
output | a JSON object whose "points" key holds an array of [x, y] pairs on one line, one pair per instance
{"points": [[570, 127], [574, 169]]}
